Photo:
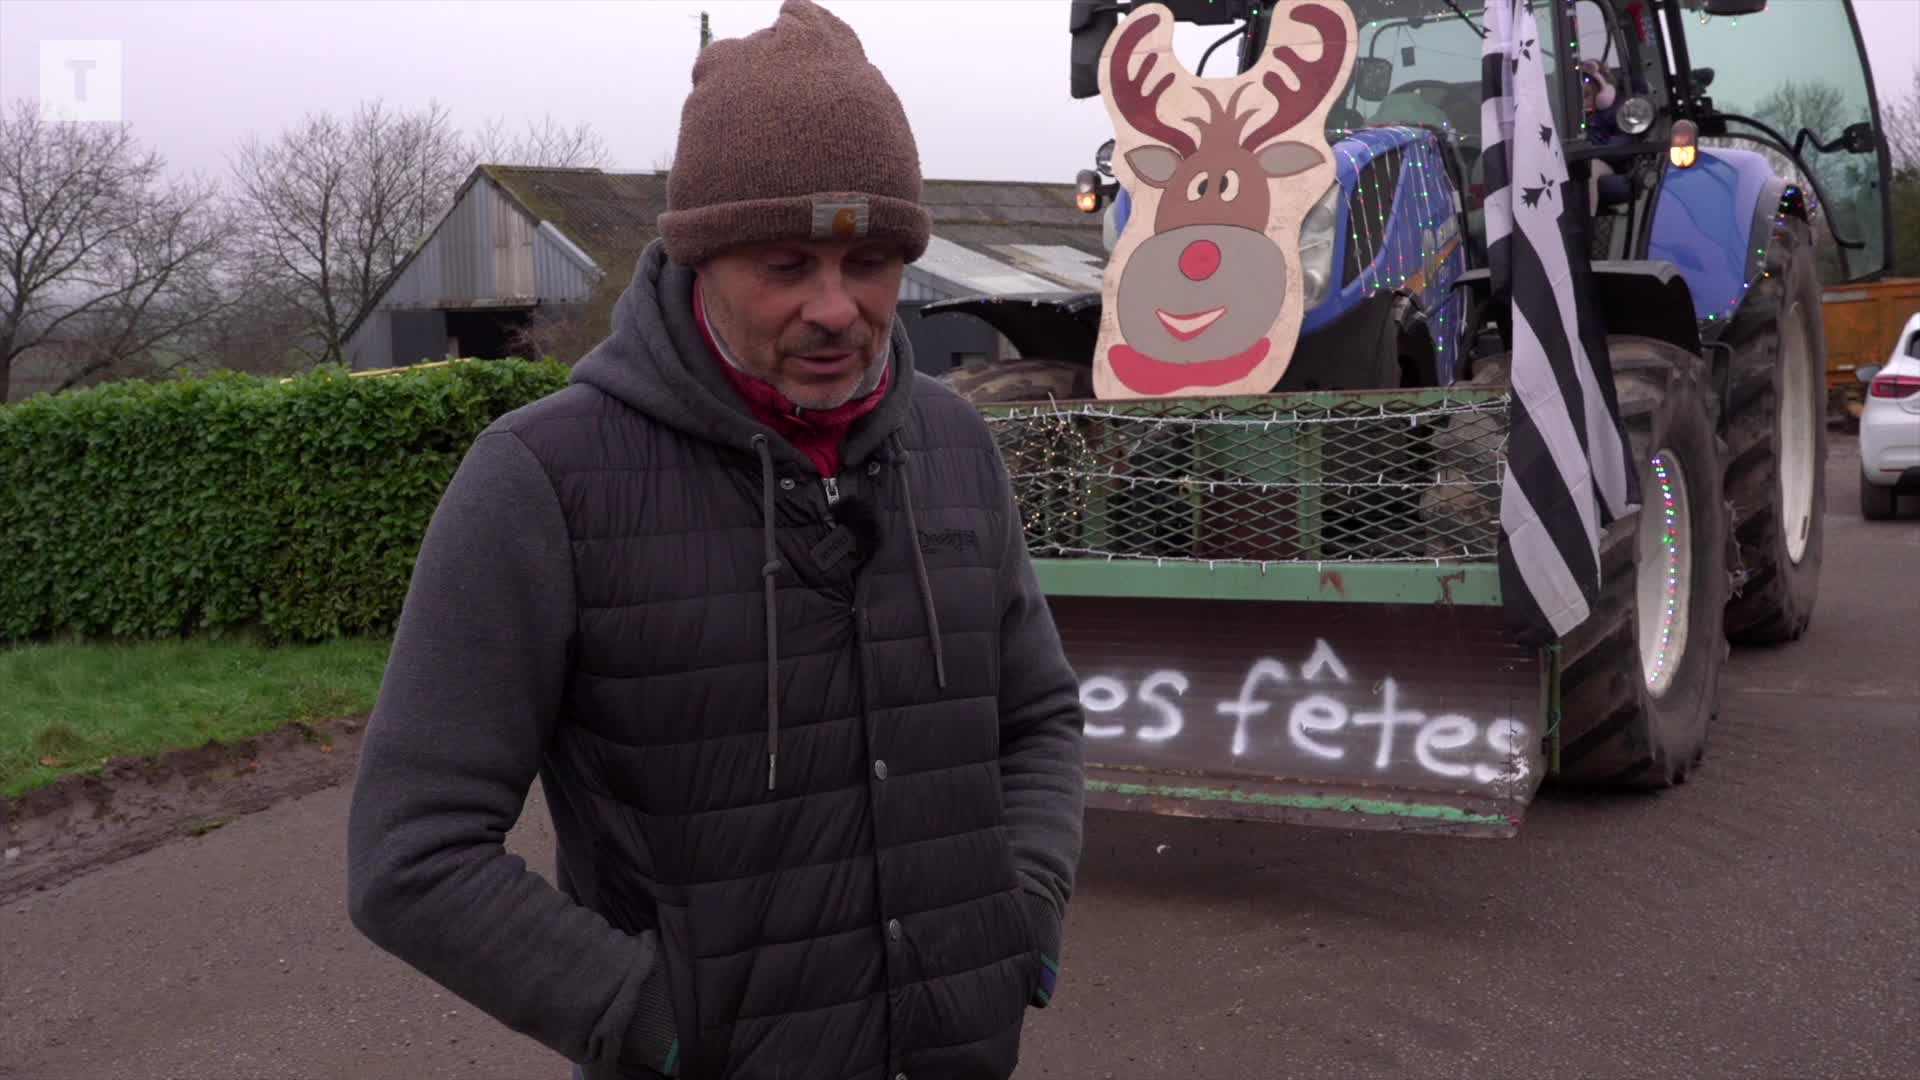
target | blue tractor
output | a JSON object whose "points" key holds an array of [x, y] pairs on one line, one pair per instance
{"points": [[1733, 162]]}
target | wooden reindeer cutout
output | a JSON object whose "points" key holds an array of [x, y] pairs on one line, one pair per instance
{"points": [[1201, 295]]}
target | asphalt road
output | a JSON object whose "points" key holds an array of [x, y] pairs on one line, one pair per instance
{"points": [[1762, 921]]}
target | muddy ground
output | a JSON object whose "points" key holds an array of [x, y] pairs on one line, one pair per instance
{"points": [[1759, 922]]}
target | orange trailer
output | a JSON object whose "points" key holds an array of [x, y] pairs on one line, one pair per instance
{"points": [[1863, 322]]}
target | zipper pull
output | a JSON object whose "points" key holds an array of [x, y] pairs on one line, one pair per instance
{"points": [[833, 489]]}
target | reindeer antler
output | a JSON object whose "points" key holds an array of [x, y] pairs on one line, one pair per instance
{"points": [[1137, 103], [1316, 79], [1224, 121]]}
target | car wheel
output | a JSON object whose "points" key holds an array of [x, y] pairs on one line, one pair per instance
{"points": [[1877, 503]]}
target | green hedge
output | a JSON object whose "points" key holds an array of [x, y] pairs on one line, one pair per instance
{"points": [[143, 510]]}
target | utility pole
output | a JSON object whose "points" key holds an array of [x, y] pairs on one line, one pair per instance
{"points": [[706, 31]]}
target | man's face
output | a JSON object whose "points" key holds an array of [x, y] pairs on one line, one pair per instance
{"points": [[811, 318]]}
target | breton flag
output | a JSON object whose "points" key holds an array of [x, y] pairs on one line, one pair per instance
{"points": [[1569, 471]]}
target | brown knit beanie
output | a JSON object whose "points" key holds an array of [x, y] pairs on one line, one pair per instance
{"points": [[791, 134]]}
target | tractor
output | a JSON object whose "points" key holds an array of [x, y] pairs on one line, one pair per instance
{"points": [[1285, 604]]}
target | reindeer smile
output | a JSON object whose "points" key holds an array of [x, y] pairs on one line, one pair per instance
{"points": [[1188, 327]]}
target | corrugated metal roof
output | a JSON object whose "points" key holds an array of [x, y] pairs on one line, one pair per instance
{"points": [[609, 215], [968, 271], [992, 236]]}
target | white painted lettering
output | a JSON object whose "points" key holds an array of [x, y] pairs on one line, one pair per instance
{"points": [[1323, 658], [1246, 707], [1171, 720], [1508, 737], [1317, 713], [1386, 720], [1449, 732], [1319, 725], [1103, 694]]}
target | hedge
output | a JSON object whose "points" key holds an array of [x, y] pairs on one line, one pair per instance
{"points": [[234, 502]]}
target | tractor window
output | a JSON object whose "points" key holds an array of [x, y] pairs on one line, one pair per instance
{"points": [[1419, 63], [1797, 69], [1616, 61]]}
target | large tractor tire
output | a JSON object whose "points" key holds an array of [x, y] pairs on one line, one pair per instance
{"points": [[1777, 443], [1640, 683]]}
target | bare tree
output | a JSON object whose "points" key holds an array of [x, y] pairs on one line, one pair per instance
{"points": [[1900, 119], [331, 208], [102, 260], [545, 144]]}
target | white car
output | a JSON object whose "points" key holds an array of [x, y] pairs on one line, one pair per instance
{"points": [[1890, 427]]}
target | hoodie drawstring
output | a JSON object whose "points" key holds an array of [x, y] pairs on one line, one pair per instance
{"points": [[771, 567], [920, 566]]}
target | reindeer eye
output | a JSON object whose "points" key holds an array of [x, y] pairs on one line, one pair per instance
{"points": [[1229, 185], [1197, 188]]}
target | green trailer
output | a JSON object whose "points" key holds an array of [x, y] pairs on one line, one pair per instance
{"points": [[1286, 607]]}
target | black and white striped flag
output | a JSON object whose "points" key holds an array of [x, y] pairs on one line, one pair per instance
{"points": [[1569, 470]]}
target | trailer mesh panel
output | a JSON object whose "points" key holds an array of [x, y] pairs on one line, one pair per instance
{"points": [[1390, 476]]}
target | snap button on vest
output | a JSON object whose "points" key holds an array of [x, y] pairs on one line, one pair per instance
{"points": [[893, 929], [880, 769]]}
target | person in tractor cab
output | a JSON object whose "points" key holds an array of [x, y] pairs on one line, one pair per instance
{"points": [[753, 600]]}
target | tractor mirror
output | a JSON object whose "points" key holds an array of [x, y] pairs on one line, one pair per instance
{"points": [[1859, 138], [1373, 77], [1092, 23]]}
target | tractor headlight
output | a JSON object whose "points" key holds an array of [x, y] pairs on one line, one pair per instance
{"points": [[1316, 246]]}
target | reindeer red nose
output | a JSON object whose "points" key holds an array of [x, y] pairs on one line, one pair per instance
{"points": [[1200, 260]]}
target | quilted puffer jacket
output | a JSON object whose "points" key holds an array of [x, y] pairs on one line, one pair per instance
{"points": [[811, 749]]}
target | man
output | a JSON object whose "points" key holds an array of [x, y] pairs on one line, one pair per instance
{"points": [[752, 599]]}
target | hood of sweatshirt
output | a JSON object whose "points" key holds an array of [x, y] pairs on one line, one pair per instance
{"points": [[657, 359]]}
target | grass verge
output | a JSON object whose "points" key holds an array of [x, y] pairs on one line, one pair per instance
{"points": [[68, 708]]}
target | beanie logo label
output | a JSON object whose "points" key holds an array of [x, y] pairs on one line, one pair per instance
{"points": [[840, 220]]}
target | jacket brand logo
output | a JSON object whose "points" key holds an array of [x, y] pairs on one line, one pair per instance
{"points": [[948, 540], [840, 220]]}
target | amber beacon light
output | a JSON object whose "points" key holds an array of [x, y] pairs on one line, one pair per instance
{"points": [[1684, 149]]}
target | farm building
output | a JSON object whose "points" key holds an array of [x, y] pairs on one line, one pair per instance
{"points": [[522, 246]]}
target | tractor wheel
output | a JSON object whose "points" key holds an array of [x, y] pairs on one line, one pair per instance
{"points": [[1005, 381], [1640, 681], [1777, 443]]}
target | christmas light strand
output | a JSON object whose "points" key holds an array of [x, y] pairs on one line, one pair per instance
{"points": [[1670, 544], [1497, 406], [1465, 555], [1195, 484], [1787, 201]]}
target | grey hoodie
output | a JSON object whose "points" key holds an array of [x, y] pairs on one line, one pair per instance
{"points": [[473, 695]]}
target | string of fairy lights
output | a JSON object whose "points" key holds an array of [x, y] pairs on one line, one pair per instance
{"points": [[1360, 151], [1788, 200], [1670, 545], [1469, 402]]}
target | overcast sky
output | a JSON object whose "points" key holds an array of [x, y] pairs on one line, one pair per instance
{"points": [[984, 81]]}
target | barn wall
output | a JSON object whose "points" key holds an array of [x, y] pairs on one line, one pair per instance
{"points": [[418, 336], [371, 346]]}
